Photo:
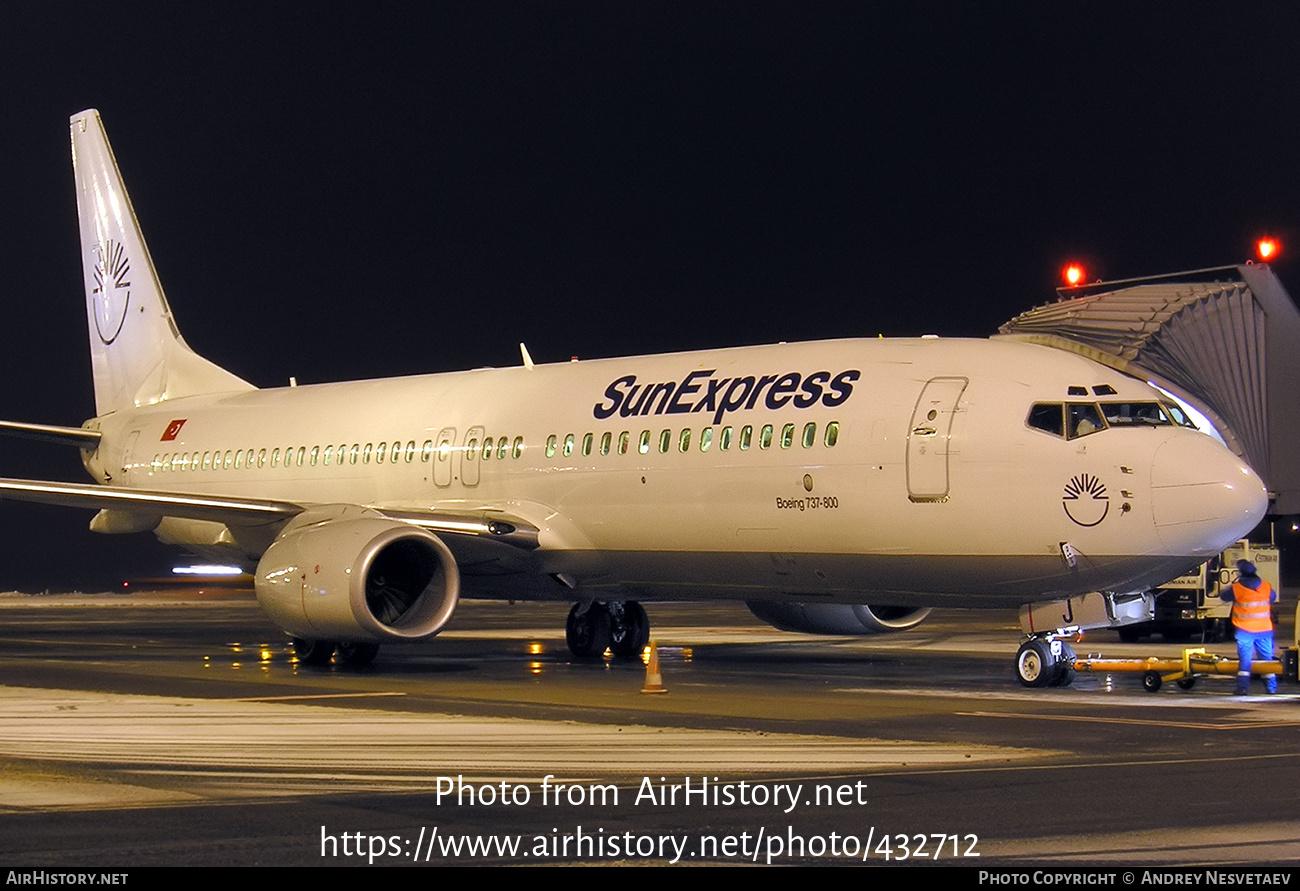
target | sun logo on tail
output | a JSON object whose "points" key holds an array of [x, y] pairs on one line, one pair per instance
{"points": [[111, 292], [1085, 500]]}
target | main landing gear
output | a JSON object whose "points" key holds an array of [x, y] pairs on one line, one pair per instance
{"points": [[320, 652], [622, 627], [1045, 662]]}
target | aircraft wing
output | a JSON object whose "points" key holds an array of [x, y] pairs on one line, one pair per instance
{"points": [[483, 525]]}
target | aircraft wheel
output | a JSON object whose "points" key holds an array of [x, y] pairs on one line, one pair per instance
{"points": [[1065, 668], [629, 629], [356, 655], [587, 630], [1151, 681], [1185, 683], [1035, 666], [313, 652]]}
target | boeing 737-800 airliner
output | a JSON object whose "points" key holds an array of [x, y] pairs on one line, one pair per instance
{"points": [[839, 487]]}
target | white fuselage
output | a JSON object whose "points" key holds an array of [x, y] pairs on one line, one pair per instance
{"points": [[931, 487]]}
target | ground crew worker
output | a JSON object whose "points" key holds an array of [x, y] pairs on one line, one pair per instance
{"points": [[1252, 601]]}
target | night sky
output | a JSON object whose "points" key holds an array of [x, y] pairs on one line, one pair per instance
{"points": [[407, 188]]}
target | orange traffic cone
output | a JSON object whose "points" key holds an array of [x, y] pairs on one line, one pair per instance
{"points": [[654, 683]]}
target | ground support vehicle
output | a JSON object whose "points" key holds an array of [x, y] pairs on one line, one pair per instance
{"points": [[1194, 663], [1191, 607]]}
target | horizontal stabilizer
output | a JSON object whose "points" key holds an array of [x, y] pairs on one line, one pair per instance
{"points": [[235, 511], [73, 436]]}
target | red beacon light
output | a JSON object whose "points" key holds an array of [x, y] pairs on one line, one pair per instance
{"points": [[1267, 249], [1073, 274]]}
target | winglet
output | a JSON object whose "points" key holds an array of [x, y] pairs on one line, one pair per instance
{"points": [[528, 360]]}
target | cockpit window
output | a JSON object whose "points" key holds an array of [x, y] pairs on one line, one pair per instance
{"points": [[1083, 419], [1178, 416], [1047, 417], [1150, 414], [1069, 420]]}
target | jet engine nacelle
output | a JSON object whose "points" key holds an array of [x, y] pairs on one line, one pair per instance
{"points": [[837, 618], [348, 574]]}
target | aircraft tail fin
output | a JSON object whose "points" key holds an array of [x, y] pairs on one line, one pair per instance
{"points": [[137, 353]]}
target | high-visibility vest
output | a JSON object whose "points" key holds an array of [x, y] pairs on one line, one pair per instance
{"points": [[1250, 610]]}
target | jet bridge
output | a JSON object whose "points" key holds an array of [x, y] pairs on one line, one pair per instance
{"points": [[1224, 340]]}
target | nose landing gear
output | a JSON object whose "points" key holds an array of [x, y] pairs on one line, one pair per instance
{"points": [[1045, 662]]}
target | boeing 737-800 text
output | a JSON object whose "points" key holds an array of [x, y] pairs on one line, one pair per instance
{"points": [[839, 487]]}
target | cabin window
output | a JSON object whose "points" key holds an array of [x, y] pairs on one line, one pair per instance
{"points": [[665, 441], [809, 435], [746, 436], [550, 445], [624, 439], [832, 434], [426, 450], [604, 442], [706, 439], [365, 453], [517, 447], [315, 455], [587, 443], [787, 436], [239, 460], [724, 441], [765, 437], [380, 451], [568, 444], [329, 453], [644, 445], [684, 440], [207, 460], [261, 458]]}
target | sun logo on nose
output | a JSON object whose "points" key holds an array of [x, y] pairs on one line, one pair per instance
{"points": [[1085, 500]]}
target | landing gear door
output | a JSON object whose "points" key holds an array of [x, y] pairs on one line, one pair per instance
{"points": [[929, 438]]}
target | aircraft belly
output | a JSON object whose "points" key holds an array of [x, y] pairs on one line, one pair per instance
{"points": [[904, 580]]}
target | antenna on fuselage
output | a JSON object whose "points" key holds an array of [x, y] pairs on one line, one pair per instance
{"points": [[528, 360]]}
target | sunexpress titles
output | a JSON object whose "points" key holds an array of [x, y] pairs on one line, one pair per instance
{"points": [[700, 391]]}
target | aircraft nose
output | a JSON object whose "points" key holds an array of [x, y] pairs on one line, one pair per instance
{"points": [[1203, 497]]}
